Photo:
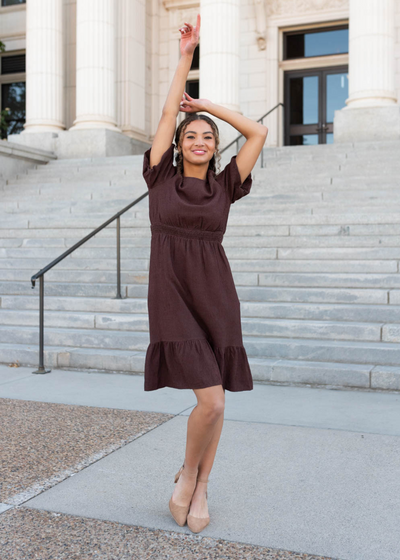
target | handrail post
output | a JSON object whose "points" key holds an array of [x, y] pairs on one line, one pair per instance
{"points": [[262, 151], [41, 368], [118, 296]]}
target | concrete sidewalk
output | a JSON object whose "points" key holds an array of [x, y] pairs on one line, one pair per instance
{"points": [[300, 469]]}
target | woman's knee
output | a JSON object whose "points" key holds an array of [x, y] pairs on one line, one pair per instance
{"points": [[212, 402]]}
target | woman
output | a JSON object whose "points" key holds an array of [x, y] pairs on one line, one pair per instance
{"points": [[194, 311]]}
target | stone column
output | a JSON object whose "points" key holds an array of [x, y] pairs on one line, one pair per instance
{"points": [[44, 67], [219, 52], [371, 54], [372, 112], [219, 57], [131, 55], [95, 65]]}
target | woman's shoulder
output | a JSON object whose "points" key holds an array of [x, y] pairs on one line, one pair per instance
{"points": [[231, 181], [160, 172]]}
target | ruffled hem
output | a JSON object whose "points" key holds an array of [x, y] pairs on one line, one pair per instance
{"points": [[195, 364]]}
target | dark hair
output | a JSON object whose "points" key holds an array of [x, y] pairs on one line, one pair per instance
{"points": [[179, 135]]}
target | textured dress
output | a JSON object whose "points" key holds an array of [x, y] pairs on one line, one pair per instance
{"points": [[194, 310]]}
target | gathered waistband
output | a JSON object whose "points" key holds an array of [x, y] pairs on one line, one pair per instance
{"points": [[189, 233]]}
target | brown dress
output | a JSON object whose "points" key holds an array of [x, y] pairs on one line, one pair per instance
{"points": [[194, 310]]}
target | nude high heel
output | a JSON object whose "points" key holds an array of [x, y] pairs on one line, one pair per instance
{"points": [[197, 524], [179, 513]]}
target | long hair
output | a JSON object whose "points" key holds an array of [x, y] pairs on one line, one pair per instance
{"points": [[216, 159]]}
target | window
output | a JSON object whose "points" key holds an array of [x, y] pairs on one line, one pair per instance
{"points": [[13, 98], [12, 2], [13, 64], [12, 92], [192, 86], [316, 42], [196, 59]]}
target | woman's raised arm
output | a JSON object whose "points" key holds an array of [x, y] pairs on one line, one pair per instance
{"points": [[166, 127], [254, 132]]}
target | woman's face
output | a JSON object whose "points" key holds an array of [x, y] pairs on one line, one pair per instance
{"points": [[198, 142]]}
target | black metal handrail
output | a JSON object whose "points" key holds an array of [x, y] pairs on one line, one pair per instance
{"points": [[40, 275], [236, 140]]}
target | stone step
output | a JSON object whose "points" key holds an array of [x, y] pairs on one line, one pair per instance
{"points": [[76, 289], [251, 309], [240, 218], [249, 292], [81, 304], [307, 176], [36, 188], [256, 234], [266, 200], [241, 277], [353, 148], [101, 191], [384, 165], [321, 330], [263, 369], [97, 161], [330, 280], [252, 207], [329, 161], [352, 296], [271, 156], [251, 326], [342, 351], [72, 268], [279, 185], [75, 166], [228, 241], [375, 353], [332, 187], [234, 253], [321, 169], [78, 320], [138, 276]]}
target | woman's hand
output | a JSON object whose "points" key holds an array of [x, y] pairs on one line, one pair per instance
{"points": [[189, 37], [190, 105]]}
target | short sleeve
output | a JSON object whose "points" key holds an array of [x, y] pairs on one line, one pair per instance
{"points": [[230, 179], [161, 172]]}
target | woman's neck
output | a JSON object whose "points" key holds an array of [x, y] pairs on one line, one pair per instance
{"points": [[196, 171]]}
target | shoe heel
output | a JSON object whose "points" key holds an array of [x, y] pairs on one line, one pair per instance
{"points": [[178, 474]]}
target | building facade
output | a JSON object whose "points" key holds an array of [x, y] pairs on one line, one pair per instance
{"points": [[91, 76]]}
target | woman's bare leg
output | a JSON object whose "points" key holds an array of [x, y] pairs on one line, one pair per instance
{"points": [[199, 507], [200, 443]]}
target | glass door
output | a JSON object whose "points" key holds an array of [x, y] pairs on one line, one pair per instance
{"points": [[311, 99]]}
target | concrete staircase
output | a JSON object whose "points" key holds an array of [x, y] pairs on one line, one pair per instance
{"points": [[314, 250]]}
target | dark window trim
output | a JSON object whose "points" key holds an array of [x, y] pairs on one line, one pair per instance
{"points": [[7, 55], [23, 3], [307, 32]]}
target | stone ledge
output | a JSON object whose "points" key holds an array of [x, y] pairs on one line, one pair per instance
{"points": [[83, 143], [367, 124], [17, 150], [385, 377]]}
